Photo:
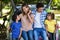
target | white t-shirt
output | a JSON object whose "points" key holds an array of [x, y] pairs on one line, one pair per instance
{"points": [[37, 23]]}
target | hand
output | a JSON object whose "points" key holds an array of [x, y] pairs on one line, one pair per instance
{"points": [[19, 38], [20, 34], [54, 31], [29, 12], [48, 34]]}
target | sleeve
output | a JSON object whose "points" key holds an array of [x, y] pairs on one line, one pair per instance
{"points": [[44, 13], [45, 22]]}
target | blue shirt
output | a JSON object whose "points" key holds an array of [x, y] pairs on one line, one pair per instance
{"points": [[42, 17], [15, 27]]}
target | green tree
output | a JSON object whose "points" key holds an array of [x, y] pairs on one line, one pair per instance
{"points": [[56, 3]]}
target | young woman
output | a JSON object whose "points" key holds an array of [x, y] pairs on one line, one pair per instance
{"points": [[27, 19], [50, 24]]}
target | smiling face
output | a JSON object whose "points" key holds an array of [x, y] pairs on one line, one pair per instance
{"points": [[40, 9], [49, 17], [25, 9]]}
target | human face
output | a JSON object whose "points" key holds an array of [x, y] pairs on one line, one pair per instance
{"points": [[40, 9], [18, 17], [49, 17], [25, 9]]}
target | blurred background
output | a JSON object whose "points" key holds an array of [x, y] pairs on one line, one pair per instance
{"points": [[8, 7]]}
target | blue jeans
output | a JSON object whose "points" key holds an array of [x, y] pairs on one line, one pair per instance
{"points": [[11, 38], [27, 35], [40, 32], [14, 38]]}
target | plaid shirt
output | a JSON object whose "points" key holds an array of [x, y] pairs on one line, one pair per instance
{"points": [[42, 17]]}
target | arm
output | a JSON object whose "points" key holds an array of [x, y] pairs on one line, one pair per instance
{"points": [[46, 27], [20, 33], [56, 27], [8, 28], [31, 17], [47, 30], [45, 23]]}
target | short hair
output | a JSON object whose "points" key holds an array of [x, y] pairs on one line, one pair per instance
{"points": [[53, 16], [16, 13], [39, 5]]}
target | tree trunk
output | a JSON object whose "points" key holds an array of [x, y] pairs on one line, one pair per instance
{"points": [[0, 8], [13, 5]]}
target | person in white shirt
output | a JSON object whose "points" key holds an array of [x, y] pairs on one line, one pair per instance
{"points": [[39, 28]]}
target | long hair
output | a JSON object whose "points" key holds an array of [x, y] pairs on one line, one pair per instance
{"points": [[23, 6], [51, 14]]}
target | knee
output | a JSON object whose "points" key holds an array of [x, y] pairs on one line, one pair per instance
{"points": [[35, 31]]}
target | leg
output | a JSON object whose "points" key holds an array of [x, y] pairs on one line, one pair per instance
{"points": [[24, 35], [30, 34], [10, 36], [57, 35], [53, 36], [50, 38], [36, 35], [14, 38], [44, 35]]}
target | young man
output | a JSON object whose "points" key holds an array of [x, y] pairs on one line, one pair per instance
{"points": [[39, 28]]}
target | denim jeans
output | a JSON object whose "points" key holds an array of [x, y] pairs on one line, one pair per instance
{"points": [[11, 38], [40, 32], [14, 38], [27, 35]]}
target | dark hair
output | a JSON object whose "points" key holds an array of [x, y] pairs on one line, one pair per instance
{"points": [[16, 13], [23, 6], [39, 5], [50, 14], [53, 16]]}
